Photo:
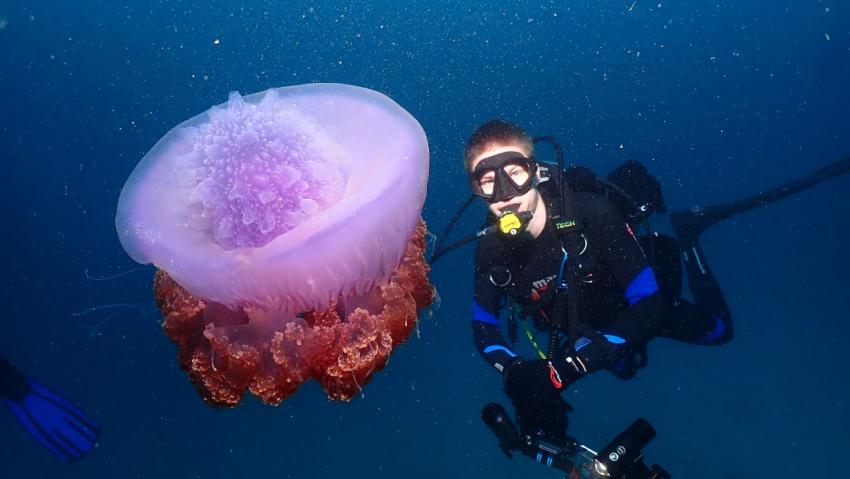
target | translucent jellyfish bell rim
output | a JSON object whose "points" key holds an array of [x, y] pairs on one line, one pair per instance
{"points": [[346, 248]]}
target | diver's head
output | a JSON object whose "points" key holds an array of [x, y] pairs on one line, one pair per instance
{"points": [[495, 133], [499, 158]]}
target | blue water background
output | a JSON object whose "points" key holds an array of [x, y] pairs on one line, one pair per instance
{"points": [[719, 98]]}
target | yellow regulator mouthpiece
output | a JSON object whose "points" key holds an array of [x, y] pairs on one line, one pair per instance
{"points": [[510, 223]]}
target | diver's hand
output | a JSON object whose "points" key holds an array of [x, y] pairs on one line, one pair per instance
{"points": [[538, 375], [622, 358], [534, 387]]}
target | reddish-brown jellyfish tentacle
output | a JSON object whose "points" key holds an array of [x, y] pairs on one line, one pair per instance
{"points": [[340, 346]]}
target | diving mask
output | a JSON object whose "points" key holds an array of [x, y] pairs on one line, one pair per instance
{"points": [[503, 176]]}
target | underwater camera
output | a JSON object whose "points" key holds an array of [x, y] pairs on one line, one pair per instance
{"points": [[622, 458]]}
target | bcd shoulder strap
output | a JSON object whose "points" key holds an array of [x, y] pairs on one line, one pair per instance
{"points": [[564, 217]]}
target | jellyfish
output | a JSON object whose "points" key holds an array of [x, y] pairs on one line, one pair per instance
{"points": [[286, 230]]}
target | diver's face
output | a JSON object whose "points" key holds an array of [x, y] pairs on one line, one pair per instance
{"points": [[525, 202]]}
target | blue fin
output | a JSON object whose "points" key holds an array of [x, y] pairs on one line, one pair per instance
{"points": [[53, 421]]}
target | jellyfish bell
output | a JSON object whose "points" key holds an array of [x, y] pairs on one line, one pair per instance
{"points": [[286, 227], [324, 181]]}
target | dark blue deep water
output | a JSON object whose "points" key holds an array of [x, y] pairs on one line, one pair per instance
{"points": [[719, 98]]}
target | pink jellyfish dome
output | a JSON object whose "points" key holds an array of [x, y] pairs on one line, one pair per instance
{"points": [[283, 199]]}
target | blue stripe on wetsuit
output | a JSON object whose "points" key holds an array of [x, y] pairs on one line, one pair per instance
{"points": [[642, 286], [482, 315], [490, 349], [614, 339], [582, 341]]}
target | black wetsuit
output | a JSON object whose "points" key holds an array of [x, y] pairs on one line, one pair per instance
{"points": [[622, 290], [619, 294]]}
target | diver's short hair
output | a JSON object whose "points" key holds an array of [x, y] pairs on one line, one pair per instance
{"points": [[494, 131]]}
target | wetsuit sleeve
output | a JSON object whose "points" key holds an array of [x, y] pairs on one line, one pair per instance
{"points": [[486, 301], [619, 252]]}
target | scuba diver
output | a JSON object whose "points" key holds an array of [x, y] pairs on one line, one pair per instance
{"points": [[558, 236], [561, 250], [52, 420]]}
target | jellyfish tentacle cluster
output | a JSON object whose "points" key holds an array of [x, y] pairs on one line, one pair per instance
{"points": [[226, 355]]}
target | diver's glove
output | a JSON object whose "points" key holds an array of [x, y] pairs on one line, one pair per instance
{"points": [[619, 356], [538, 375], [534, 387]]}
